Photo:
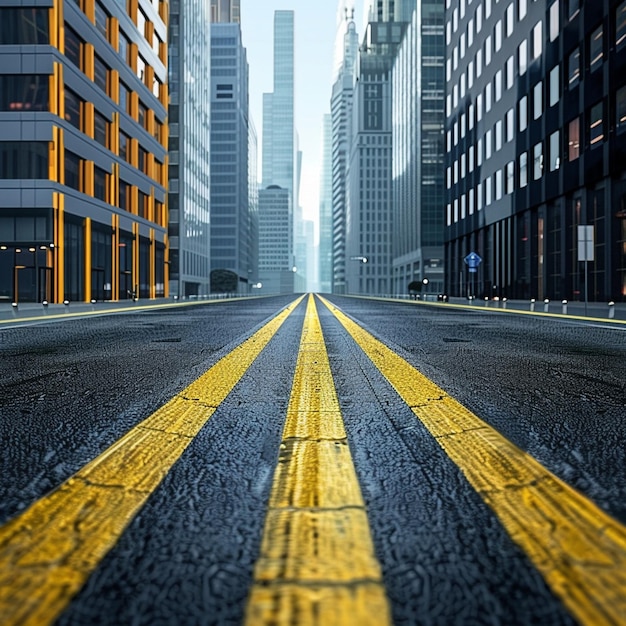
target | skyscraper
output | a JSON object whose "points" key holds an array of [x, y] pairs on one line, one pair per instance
{"points": [[232, 247], [325, 252], [417, 163], [189, 110], [83, 141], [369, 226], [279, 166], [341, 128], [536, 140]]}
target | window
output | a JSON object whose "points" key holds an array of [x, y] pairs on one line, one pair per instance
{"points": [[498, 184], [143, 159], [510, 177], [124, 196], [523, 113], [100, 129], [124, 147], [488, 144], [510, 72], [102, 20], [123, 46], [537, 40], [596, 125], [498, 135], [497, 83], [554, 20], [24, 92], [100, 184], [573, 68], [537, 100], [488, 91], [573, 6], [554, 86], [73, 46], [124, 97], [142, 21], [523, 169], [142, 114], [620, 110], [620, 26], [72, 170], [573, 139], [522, 57], [24, 160], [595, 49], [555, 152], [522, 8], [101, 72], [488, 183], [73, 109], [537, 161], [488, 50], [510, 19], [497, 35], [24, 26], [510, 125]]}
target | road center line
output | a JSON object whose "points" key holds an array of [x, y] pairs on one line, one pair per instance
{"points": [[48, 551], [578, 548], [317, 563]]}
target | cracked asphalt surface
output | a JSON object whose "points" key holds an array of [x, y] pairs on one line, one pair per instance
{"points": [[556, 389]]}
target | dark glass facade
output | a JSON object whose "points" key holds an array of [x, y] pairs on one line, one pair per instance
{"points": [[535, 147]]}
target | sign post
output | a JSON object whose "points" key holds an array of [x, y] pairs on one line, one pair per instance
{"points": [[472, 260], [586, 253]]}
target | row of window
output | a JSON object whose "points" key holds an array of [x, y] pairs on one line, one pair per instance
{"points": [[505, 78], [596, 133]]}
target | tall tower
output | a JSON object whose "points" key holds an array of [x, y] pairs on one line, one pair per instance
{"points": [[326, 208], [341, 136], [279, 166], [369, 225], [417, 163], [231, 245], [189, 152]]}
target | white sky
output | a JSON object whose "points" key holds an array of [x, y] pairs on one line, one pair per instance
{"points": [[315, 28]]}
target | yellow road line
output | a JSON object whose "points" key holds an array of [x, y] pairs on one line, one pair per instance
{"points": [[47, 552], [317, 562], [579, 549]]}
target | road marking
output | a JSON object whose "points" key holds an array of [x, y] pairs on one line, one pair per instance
{"points": [[47, 552], [317, 563], [579, 549]]}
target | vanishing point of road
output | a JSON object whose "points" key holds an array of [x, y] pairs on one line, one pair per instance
{"points": [[312, 460]]}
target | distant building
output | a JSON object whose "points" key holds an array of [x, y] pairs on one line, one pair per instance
{"points": [[418, 152], [325, 251], [189, 185], [369, 226], [341, 128], [276, 259], [83, 151], [536, 148], [225, 11], [279, 166], [232, 228]]}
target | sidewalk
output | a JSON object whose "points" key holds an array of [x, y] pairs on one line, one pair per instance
{"points": [[592, 310], [35, 310]]}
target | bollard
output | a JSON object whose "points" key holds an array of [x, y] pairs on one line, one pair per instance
{"points": [[93, 302], [611, 310], [564, 307], [67, 305], [14, 307], [486, 301], [546, 305], [532, 304], [45, 307], [504, 303]]}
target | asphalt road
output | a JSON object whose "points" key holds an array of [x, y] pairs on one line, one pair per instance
{"points": [[554, 388]]}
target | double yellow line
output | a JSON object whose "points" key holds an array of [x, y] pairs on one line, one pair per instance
{"points": [[317, 563]]}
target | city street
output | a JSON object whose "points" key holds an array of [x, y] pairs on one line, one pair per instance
{"points": [[308, 460]]}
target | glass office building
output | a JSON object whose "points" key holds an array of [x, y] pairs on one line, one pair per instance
{"points": [[417, 162], [83, 139], [190, 166], [536, 139], [231, 219]]}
